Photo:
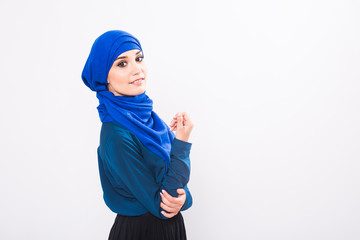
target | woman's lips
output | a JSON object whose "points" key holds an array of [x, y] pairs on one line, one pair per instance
{"points": [[138, 81]]}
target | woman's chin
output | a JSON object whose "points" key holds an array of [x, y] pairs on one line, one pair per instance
{"points": [[138, 91]]}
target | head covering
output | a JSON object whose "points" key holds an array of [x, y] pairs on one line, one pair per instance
{"points": [[133, 112]]}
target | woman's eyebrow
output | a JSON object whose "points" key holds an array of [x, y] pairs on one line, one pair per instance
{"points": [[126, 56]]}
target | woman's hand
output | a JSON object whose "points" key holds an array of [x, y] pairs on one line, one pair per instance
{"points": [[183, 126], [172, 204]]}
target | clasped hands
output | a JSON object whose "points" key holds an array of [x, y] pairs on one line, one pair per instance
{"points": [[172, 204]]}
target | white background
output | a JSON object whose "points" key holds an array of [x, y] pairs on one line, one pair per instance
{"points": [[272, 88]]}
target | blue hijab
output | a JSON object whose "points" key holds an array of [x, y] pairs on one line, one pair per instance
{"points": [[133, 112]]}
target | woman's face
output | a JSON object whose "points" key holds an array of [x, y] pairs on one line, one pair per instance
{"points": [[123, 76]]}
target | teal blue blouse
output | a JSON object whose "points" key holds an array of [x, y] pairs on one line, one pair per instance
{"points": [[132, 176]]}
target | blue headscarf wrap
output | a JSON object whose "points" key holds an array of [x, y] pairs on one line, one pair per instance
{"points": [[133, 112]]}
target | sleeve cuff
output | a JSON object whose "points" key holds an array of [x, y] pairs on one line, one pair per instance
{"points": [[180, 148], [182, 144]]}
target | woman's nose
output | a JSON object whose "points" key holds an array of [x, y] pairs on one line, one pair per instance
{"points": [[137, 69]]}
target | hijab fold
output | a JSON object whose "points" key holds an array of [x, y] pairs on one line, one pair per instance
{"points": [[135, 113]]}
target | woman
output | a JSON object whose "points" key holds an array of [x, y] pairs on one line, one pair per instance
{"points": [[144, 167]]}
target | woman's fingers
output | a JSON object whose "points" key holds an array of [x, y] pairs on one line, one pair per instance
{"points": [[180, 191], [173, 123], [167, 208], [174, 201], [171, 204], [172, 128], [181, 196], [180, 122], [168, 215], [167, 202], [174, 120], [169, 197], [187, 120], [185, 117]]}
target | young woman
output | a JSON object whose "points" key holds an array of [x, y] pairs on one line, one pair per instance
{"points": [[144, 167]]}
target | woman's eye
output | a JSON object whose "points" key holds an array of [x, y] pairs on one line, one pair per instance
{"points": [[122, 64], [140, 59]]}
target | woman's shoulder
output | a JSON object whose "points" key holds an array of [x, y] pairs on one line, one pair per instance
{"points": [[117, 141], [115, 131], [114, 126]]}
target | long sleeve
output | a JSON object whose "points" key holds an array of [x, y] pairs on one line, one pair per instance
{"points": [[131, 173]]}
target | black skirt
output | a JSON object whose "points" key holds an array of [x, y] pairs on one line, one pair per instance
{"points": [[148, 227]]}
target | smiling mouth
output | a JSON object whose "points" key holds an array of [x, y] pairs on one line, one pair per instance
{"points": [[140, 79]]}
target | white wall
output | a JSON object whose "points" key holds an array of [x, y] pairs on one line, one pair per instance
{"points": [[272, 87]]}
